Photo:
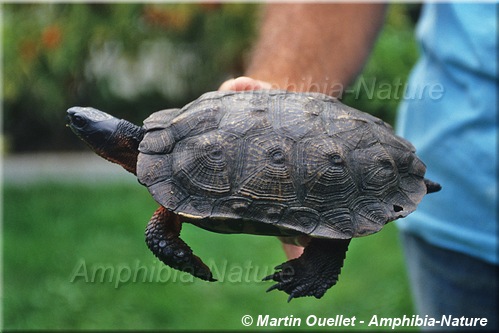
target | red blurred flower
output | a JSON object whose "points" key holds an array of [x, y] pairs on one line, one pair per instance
{"points": [[51, 37]]}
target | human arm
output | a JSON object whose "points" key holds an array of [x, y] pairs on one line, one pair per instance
{"points": [[314, 47]]}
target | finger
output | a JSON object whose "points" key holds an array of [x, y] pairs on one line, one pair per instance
{"points": [[292, 251], [244, 83]]}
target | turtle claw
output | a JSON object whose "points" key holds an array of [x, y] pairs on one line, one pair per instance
{"points": [[278, 286], [314, 272], [269, 277], [294, 280], [273, 287], [274, 276]]}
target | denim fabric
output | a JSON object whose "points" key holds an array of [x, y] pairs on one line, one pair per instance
{"points": [[446, 282]]}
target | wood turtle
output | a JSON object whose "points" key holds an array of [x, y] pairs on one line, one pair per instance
{"points": [[269, 163]]}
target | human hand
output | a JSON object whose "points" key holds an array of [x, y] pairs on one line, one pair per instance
{"points": [[293, 246]]}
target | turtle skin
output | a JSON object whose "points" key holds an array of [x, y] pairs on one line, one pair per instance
{"points": [[272, 163]]}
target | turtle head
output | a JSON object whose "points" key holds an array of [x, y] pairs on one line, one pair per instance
{"points": [[114, 139], [92, 126]]}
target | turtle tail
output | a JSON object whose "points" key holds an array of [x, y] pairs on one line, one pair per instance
{"points": [[432, 186]]}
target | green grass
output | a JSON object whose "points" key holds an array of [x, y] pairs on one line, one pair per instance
{"points": [[56, 237]]}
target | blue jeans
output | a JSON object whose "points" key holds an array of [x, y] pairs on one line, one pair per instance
{"points": [[445, 282]]}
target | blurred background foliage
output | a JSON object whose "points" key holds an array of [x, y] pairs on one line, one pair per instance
{"points": [[133, 59], [128, 59]]}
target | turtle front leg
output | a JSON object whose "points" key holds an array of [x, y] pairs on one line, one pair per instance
{"points": [[314, 272], [163, 239]]}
